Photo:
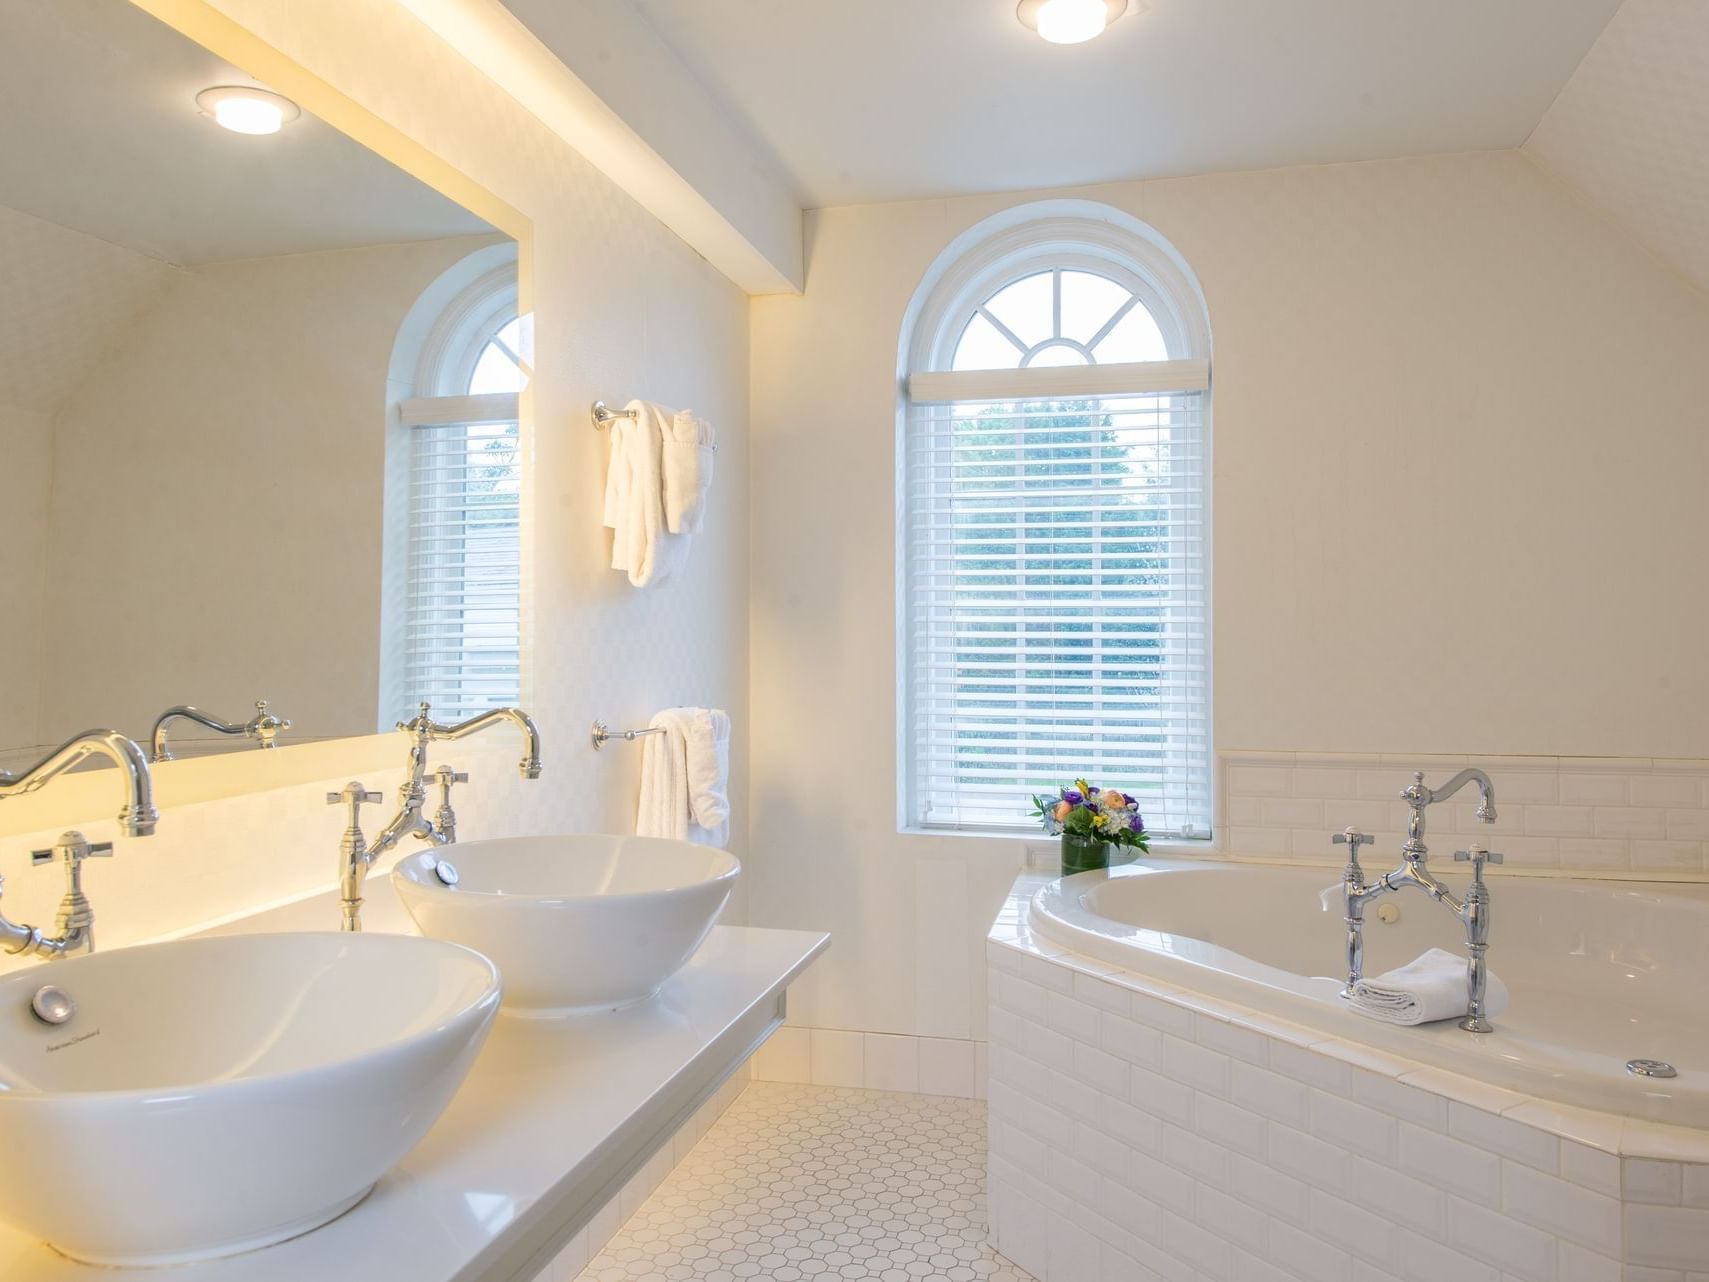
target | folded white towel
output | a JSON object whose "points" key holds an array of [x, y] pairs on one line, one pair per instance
{"points": [[684, 778], [690, 450], [1428, 988], [641, 545]]}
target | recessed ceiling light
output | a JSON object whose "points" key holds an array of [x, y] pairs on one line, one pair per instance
{"points": [[246, 110], [1069, 22]]}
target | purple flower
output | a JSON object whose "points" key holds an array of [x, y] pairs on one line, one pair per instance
{"points": [[1072, 797], [1128, 799]]}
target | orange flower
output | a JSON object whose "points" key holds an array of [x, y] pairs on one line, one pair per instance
{"points": [[1062, 811], [1112, 799]]}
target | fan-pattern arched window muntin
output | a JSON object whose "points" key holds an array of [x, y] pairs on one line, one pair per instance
{"points": [[1055, 596], [1059, 317]]}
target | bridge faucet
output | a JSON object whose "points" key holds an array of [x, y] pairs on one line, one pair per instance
{"points": [[356, 856], [263, 727], [1473, 911], [74, 928]]}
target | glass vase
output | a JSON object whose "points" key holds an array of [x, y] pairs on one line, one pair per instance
{"points": [[1083, 854]]}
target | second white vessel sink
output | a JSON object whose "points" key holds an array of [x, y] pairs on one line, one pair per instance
{"points": [[575, 923], [210, 1096]]}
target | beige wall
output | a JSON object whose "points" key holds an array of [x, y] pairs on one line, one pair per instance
{"points": [[26, 472], [217, 470], [1458, 456]]}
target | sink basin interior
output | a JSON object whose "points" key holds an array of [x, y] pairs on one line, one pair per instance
{"points": [[596, 866], [207, 1011]]}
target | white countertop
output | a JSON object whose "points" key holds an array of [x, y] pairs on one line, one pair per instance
{"points": [[553, 1117]]}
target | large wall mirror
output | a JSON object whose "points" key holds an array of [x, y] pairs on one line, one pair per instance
{"points": [[258, 405]]}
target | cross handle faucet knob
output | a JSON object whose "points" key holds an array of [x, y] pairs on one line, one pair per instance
{"points": [[1478, 857], [1352, 837]]}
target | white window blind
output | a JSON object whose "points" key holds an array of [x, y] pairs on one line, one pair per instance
{"points": [[1055, 596], [463, 618]]}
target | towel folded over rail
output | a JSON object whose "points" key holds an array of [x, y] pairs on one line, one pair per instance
{"points": [[1429, 988], [685, 777]]}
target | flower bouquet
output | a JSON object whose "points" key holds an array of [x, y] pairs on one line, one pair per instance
{"points": [[1090, 821]]}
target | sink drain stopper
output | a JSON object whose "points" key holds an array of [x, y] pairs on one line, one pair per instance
{"points": [[1650, 1068]]}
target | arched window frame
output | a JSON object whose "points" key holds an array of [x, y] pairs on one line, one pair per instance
{"points": [[452, 630], [980, 264]]}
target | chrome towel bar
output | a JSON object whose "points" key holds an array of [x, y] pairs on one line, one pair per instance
{"points": [[601, 732]]}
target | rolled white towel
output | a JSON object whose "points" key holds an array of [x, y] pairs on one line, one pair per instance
{"points": [[709, 771], [690, 450], [641, 542], [1429, 988]]}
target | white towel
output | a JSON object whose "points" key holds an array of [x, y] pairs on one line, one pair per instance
{"points": [[1428, 988], [676, 772], [641, 545], [691, 449]]}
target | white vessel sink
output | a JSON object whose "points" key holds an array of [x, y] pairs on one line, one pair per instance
{"points": [[575, 923], [211, 1096]]}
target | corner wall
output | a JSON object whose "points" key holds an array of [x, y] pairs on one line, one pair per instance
{"points": [[1457, 463]]}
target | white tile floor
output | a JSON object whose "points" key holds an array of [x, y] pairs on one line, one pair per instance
{"points": [[820, 1184]]}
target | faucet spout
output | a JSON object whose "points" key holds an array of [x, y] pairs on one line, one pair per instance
{"points": [[1486, 791], [529, 766], [138, 815]]}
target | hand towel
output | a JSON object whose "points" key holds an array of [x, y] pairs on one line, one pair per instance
{"points": [[709, 771], [690, 450], [1429, 988], [669, 761], [641, 545]]}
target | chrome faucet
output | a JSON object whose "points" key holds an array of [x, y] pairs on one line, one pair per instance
{"points": [[263, 727], [356, 856], [1473, 910], [74, 927]]}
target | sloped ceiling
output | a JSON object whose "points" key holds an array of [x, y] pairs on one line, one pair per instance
{"points": [[1630, 129], [64, 300]]}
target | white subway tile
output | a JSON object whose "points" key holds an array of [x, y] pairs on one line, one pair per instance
{"points": [[1259, 781], [1311, 1068], [1561, 1208], [1194, 1065], [1586, 789], [1667, 856], [1688, 825], [1631, 821], [1591, 1168], [1138, 1216], [1423, 1259], [1279, 1098], [1232, 1040], [1558, 821], [1380, 1188], [1162, 1096], [1579, 1265], [1408, 1103], [1259, 841], [1500, 1135], [1135, 1042], [1231, 1219], [1196, 1155], [1515, 1248], [839, 1058], [1243, 812], [1321, 781], [1164, 1016], [1308, 1257], [947, 1067], [1310, 1159], [1593, 852], [1449, 1163], [1369, 1236], [892, 1063], [1353, 1126], [1657, 1183], [1230, 1126], [1667, 1237], [1101, 1071], [1660, 789], [1019, 1228], [1695, 1185], [1071, 1018], [1264, 1187], [1020, 997], [1070, 1251], [785, 1057], [1197, 1246], [1101, 993], [1290, 812], [1162, 1183]]}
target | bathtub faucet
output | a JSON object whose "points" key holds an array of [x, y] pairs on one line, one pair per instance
{"points": [[1473, 910]]}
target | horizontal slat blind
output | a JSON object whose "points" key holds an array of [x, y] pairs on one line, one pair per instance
{"points": [[463, 625], [1056, 607]]}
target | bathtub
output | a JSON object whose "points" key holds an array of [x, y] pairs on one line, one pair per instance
{"points": [[1600, 972]]}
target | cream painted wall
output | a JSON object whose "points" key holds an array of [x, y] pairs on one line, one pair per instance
{"points": [[1459, 452], [26, 447], [222, 466], [622, 308]]}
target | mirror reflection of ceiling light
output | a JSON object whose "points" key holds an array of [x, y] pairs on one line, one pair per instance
{"points": [[1069, 22], [247, 110]]}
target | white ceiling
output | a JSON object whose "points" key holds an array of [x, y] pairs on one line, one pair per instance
{"points": [[873, 100], [99, 132], [1631, 128]]}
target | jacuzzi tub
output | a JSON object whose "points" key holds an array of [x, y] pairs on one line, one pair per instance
{"points": [[1600, 972]]}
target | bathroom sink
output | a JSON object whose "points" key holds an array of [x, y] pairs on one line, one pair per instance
{"points": [[210, 1096], [574, 923]]}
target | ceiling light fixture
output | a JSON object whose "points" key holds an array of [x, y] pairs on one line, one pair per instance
{"points": [[247, 110], [1069, 22]]}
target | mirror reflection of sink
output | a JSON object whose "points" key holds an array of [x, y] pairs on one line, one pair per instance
{"points": [[574, 923], [210, 1096]]}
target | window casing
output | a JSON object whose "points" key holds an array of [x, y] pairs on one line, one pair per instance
{"points": [[1053, 571], [459, 646]]}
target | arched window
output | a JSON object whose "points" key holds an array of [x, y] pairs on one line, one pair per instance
{"points": [[1054, 589], [454, 636]]}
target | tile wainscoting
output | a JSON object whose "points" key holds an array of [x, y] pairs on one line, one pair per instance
{"points": [[873, 1061], [1612, 816], [1140, 1133]]}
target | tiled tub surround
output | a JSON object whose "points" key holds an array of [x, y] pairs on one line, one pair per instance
{"points": [[1141, 1130], [1621, 816]]}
